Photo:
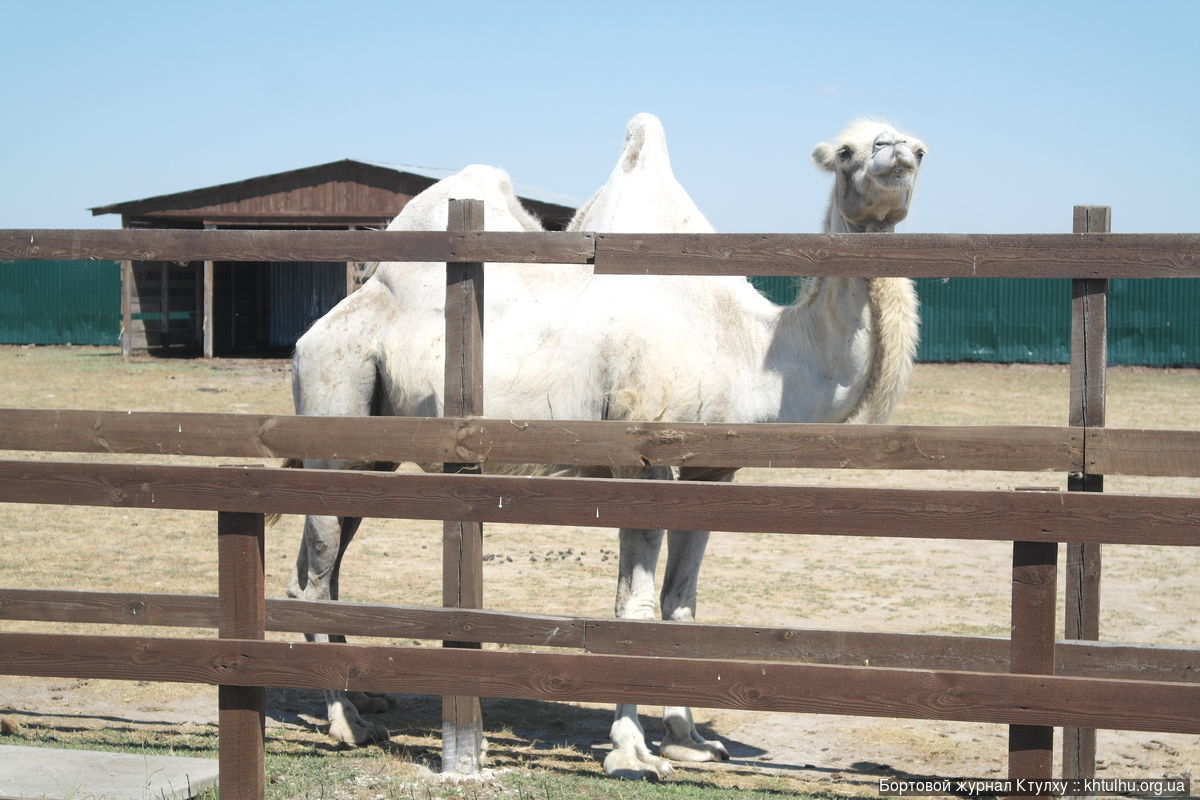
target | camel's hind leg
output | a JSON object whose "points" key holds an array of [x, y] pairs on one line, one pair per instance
{"points": [[335, 374], [316, 578]]}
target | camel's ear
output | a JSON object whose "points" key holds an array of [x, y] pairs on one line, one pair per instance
{"points": [[825, 156]]}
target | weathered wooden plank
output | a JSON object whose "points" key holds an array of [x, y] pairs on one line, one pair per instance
{"points": [[1089, 364], [126, 308], [1114, 451], [1110, 451], [207, 308], [462, 541], [897, 254], [609, 503], [851, 648], [747, 685], [242, 709], [254, 245], [446, 624], [567, 442], [122, 608], [1034, 590], [610, 636], [915, 255]]}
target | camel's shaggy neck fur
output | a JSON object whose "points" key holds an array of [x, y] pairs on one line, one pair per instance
{"points": [[875, 167]]}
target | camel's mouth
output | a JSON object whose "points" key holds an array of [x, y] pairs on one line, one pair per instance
{"points": [[900, 179]]}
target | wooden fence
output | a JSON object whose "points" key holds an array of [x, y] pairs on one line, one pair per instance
{"points": [[1030, 681]]}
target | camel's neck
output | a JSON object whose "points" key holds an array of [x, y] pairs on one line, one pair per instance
{"points": [[865, 330]]}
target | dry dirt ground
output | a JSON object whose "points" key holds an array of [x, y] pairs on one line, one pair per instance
{"points": [[931, 586]]}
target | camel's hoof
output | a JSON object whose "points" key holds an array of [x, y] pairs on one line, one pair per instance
{"points": [[357, 733], [695, 749], [631, 767]]}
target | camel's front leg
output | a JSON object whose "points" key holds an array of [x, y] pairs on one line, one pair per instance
{"points": [[630, 758], [685, 552], [316, 578]]}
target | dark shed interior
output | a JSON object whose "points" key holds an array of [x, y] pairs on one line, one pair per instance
{"points": [[261, 307]]}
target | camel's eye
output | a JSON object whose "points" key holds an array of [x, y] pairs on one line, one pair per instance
{"points": [[844, 152], [920, 155]]}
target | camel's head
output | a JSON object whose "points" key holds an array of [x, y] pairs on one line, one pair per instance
{"points": [[875, 168]]}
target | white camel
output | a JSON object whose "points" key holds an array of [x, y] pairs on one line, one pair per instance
{"points": [[380, 352], [712, 349], [568, 345]]}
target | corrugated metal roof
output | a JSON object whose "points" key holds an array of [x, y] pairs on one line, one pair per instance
{"points": [[392, 178]]}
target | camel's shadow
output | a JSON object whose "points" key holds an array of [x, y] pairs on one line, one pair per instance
{"points": [[560, 737], [514, 729]]}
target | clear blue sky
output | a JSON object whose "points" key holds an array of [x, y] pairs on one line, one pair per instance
{"points": [[1028, 107]]}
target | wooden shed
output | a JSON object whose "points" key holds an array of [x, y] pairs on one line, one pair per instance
{"points": [[225, 308]]}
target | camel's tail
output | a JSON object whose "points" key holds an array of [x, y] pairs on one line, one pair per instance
{"points": [[288, 463]]}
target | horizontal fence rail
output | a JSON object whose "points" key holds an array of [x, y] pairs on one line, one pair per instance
{"points": [[241, 245], [1092, 255], [613, 503], [592, 443], [609, 636], [716, 683], [1084, 684]]}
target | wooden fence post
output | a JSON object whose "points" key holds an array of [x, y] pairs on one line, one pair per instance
{"points": [[126, 308], [242, 709], [1034, 596], [1089, 360], [462, 542]]}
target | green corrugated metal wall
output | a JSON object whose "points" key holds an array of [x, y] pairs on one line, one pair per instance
{"points": [[1150, 322], [60, 302], [995, 319]]}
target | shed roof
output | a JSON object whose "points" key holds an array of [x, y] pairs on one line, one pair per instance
{"points": [[340, 193]]}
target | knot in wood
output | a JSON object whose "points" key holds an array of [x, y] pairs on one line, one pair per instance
{"points": [[232, 664], [753, 694], [556, 683]]}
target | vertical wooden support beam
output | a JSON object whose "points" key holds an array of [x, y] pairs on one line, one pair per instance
{"points": [[1089, 361], [462, 542], [164, 307], [1034, 596], [242, 709], [207, 311], [126, 308]]}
